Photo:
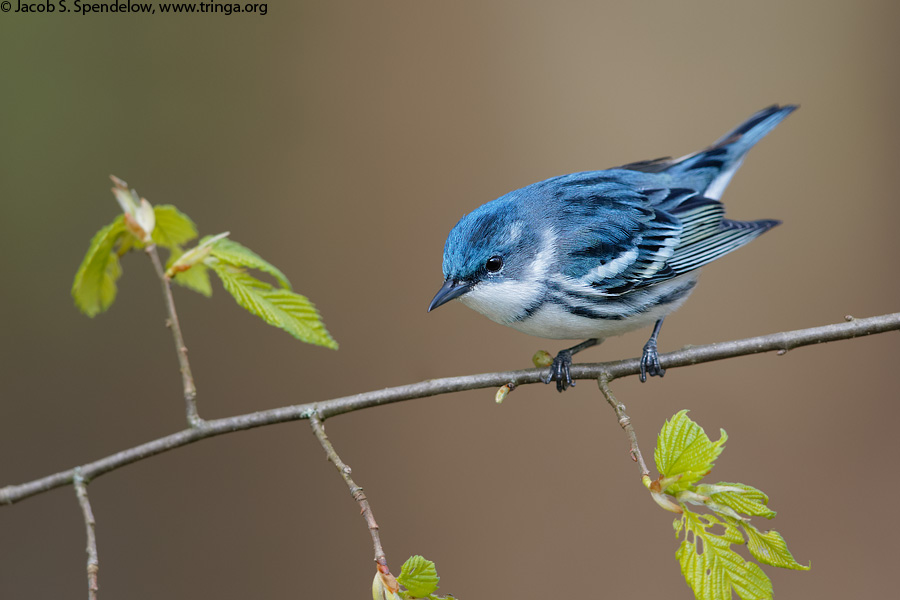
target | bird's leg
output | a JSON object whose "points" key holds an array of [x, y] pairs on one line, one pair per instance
{"points": [[650, 357], [559, 370]]}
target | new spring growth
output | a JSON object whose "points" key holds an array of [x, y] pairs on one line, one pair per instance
{"points": [[503, 392], [139, 216], [542, 358], [384, 587], [194, 255]]}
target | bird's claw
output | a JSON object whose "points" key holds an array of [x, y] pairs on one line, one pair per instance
{"points": [[559, 371], [650, 362]]}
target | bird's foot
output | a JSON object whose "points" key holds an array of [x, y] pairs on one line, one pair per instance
{"points": [[650, 361], [559, 371]]}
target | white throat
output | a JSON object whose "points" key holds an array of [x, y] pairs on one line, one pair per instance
{"points": [[506, 300]]}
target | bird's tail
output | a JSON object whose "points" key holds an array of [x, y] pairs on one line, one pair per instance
{"points": [[753, 129], [715, 166]]}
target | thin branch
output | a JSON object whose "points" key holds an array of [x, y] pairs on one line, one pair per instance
{"points": [[93, 564], [315, 422], [329, 408], [187, 379], [624, 422], [780, 342]]}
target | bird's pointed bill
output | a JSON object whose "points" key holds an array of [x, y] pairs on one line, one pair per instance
{"points": [[450, 290]]}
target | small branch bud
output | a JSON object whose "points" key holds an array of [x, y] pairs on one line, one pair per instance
{"points": [[503, 392]]}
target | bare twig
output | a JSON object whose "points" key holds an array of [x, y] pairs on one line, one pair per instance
{"points": [[357, 492], [624, 422], [93, 565], [329, 408], [187, 380]]}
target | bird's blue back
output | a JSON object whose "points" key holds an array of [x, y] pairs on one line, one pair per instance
{"points": [[656, 219]]}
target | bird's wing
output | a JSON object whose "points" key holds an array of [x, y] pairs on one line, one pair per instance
{"points": [[705, 232], [612, 237], [627, 239]]}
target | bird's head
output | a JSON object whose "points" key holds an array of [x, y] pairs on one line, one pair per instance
{"points": [[489, 260]]}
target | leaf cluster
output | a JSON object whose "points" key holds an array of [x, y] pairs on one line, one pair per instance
{"points": [[143, 226], [418, 575], [684, 455]]}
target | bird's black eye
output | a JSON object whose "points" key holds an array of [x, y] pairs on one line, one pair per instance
{"points": [[493, 264]]}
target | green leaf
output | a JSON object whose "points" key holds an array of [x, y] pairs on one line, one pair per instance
{"points": [[195, 278], [678, 525], [231, 252], [279, 307], [94, 288], [712, 568], [419, 576], [187, 259], [744, 499], [683, 448], [173, 227], [126, 244], [770, 548]]}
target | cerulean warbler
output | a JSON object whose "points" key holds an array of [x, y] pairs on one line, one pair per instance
{"points": [[599, 253]]}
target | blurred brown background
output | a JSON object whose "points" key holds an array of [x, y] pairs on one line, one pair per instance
{"points": [[342, 141]]}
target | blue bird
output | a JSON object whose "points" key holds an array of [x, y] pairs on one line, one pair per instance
{"points": [[600, 253]]}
